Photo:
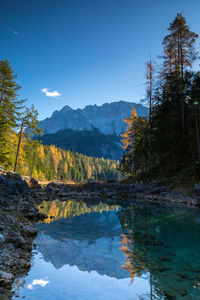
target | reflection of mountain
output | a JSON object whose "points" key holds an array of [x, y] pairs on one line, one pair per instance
{"points": [[89, 241], [103, 255]]}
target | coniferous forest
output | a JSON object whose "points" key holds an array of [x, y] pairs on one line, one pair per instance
{"points": [[27, 156], [167, 143]]}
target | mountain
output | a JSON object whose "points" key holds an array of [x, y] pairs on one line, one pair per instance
{"points": [[93, 131], [108, 118], [88, 142]]}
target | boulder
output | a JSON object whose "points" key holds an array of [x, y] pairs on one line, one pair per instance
{"points": [[52, 186], [3, 203], [2, 179], [16, 239], [2, 239], [15, 184], [34, 184], [11, 183], [158, 190], [5, 278], [29, 230]]}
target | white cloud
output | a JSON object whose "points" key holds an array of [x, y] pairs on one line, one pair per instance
{"points": [[15, 32], [40, 282], [50, 94]]}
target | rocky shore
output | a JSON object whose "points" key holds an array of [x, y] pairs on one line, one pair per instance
{"points": [[20, 195], [123, 192], [18, 214]]}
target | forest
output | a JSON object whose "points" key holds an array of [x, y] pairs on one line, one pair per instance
{"points": [[21, 153], [167, 143]]}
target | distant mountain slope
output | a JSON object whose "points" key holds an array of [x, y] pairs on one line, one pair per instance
{"points": [[89, 142], [108, 118]]}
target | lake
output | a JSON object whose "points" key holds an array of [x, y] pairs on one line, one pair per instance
{"points": [[138, 251]]}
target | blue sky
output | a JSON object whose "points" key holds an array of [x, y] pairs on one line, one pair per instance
{"points": [[88, 51]]}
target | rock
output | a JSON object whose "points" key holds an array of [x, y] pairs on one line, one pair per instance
{"points": [[3, 203], [11, 183], [5, 278], [183, 275], [22, 186], [24, 263], [25, 207], [110, 192], [29, 229], [157, 190], [16, 239], [138, 187], [2, 238], [179, 290], [52, 187], [35, 215], [192, 268], [2, 179], [163, 258], [15, 184], [156, 183], [34, 184], [169, 295]]}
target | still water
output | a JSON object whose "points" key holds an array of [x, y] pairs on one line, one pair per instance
{"points": [[98, 252]]}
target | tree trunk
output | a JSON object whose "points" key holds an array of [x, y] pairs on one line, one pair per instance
{"points": [[149, 133], [2, 90], [18, 147], [197, 132], [182, 96]]}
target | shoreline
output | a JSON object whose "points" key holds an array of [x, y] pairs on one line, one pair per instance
{"points": [[18, 213], [153, 192]]}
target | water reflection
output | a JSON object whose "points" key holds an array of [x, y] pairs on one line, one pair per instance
{"points": [[165, 242], [56, 209], [111, 252]]}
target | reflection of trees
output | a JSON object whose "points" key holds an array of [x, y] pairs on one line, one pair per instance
{"points": [[160, 242], [56, 209], [125, 249]]}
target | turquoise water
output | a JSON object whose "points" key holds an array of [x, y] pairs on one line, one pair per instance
{"points": [[142, 251]]}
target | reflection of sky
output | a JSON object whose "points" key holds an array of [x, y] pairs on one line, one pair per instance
{"points": [[71, 283], [35, 282]]}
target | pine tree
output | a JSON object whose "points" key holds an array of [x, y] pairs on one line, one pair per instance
{"points": [[179, 53], [9, 110], [30, 122]]}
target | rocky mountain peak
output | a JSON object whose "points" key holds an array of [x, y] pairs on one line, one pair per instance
{"points": [[107, 118]]}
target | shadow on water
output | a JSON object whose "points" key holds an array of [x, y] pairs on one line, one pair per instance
{"points": [[142, 251]]}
